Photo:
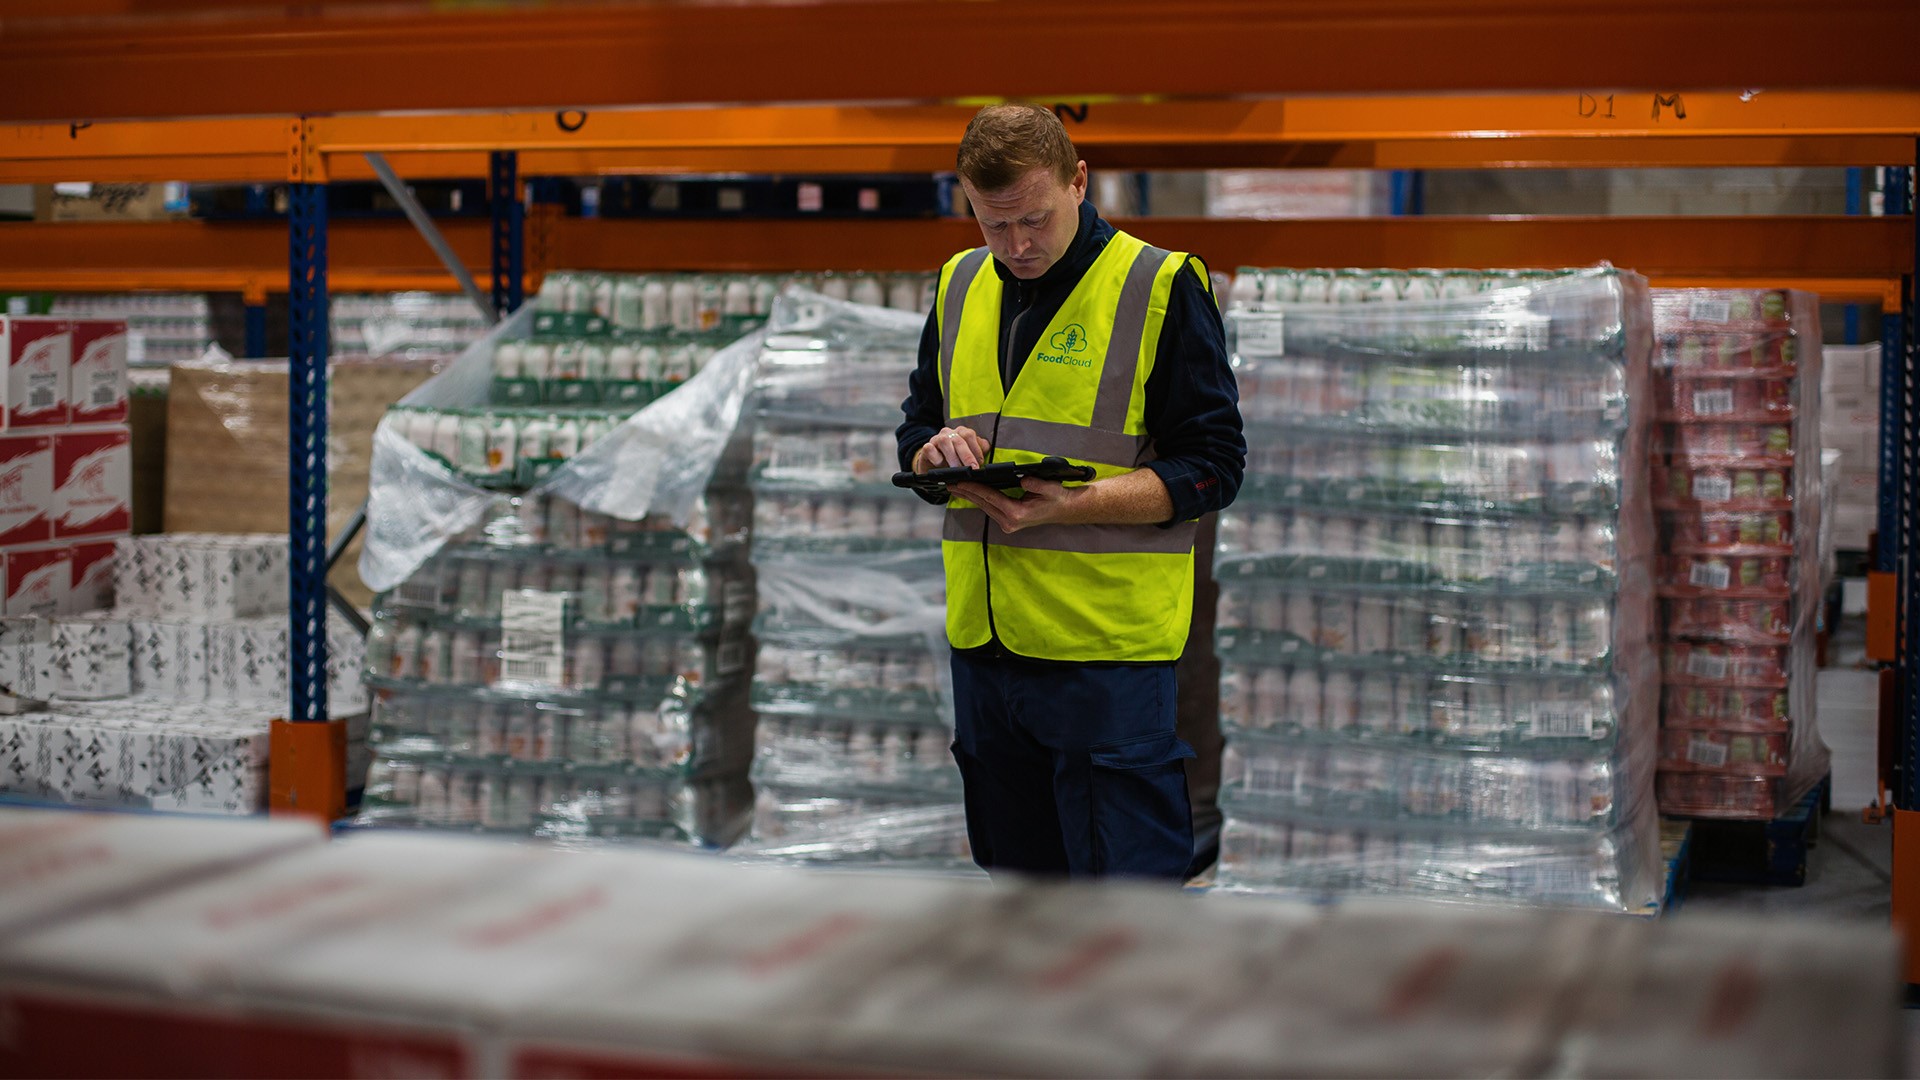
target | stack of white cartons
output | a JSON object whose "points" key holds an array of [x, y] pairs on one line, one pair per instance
{"points": [[66, 462], [448, 956], [164, 702], [1850, 423]]}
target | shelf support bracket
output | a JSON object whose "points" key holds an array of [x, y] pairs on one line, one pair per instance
{"points": [[431, 234]]}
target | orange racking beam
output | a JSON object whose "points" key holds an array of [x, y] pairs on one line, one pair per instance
{"points": [[329, 59], [1851, 258], [1614, 128]]}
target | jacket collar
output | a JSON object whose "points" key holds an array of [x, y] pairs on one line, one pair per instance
{"points": [[1088, 241]]}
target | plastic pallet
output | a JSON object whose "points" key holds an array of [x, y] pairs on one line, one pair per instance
{"points": [[1676, 850], [1760, 852]]}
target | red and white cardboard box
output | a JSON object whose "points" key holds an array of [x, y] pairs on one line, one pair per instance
{"points": [[38, 580], [39, 358], [26, 489], [93, 482], [97, 390], [93, 567]]}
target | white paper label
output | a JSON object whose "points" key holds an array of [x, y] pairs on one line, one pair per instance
{"points": [[1710, 575], [1563, 719], [533, 637], [1703, 665], [1261, 333], [1702, 750], [1712, 402], [1709, 310], [1713, 488], [136, 347]]}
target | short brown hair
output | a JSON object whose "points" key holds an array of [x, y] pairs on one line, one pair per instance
{"points": [[1004, 142]]}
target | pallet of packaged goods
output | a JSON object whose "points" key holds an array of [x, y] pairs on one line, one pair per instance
{"points": [[854, 714], [1435, 596], [1738, 498], [554, 652]]}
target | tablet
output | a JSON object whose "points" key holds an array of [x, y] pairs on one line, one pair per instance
{"points": [[1004, 475]]}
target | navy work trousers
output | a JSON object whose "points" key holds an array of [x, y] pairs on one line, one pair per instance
{"points": [[1072, 769]]}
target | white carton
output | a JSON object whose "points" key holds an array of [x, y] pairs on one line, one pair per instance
{"points": [[93, 658], [97, 391], [58, 864], [27, 507], [38, 352]]}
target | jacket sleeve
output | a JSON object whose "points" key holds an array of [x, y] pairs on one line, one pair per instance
{"points": [[1193, 403], [925, 409]]}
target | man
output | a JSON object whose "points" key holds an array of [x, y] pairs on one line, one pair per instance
{"points": [[1067, 605]]}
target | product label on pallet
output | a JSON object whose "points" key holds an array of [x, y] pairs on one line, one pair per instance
{"points": [[1704, 751], [1710, 310], [1261, 334], [533, 638], [1713, 488], [1710, 575], [1703, 665], [1563, 719], [1712, 402]]}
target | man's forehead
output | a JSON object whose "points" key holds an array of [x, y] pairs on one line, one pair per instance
{"points": [[1026, 194]]}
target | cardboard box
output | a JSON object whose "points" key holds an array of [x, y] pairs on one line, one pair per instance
{"points": [[94, 569], [97, 389], [26, 489], [37, 580], [93, 659], [38, 351], [93, 483]]}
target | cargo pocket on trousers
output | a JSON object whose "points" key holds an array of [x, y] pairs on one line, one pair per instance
{"points": [[1142, 823]]}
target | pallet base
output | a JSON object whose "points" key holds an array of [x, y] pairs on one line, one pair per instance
{"points": [[1760, 852]]}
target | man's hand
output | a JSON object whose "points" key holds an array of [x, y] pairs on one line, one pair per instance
{"points": [[953, 447], [1042, 502]]}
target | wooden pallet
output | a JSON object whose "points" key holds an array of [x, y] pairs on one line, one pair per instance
{"points": [[1676, 852], [1760, 852]]}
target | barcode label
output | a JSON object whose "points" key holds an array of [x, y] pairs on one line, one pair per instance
{"points": [[1705, 310], [533, 637], [1261, 333], [1710, 575], [1713, 488], [1702, 750], [103, 396], [1712, 402], [1562, 720], [1702, 665], [40, 398]]}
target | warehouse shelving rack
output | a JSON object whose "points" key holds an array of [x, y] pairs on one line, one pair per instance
{"points": [[510, 92]]}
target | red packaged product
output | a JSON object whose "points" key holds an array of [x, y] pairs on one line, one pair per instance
{"points": [[1725, 708], [1721, 398], [1692, 663], [1751, 532], [1752, 622], [1751, 352], [1757, 576], [1702, 794], [1749, 753], [1721, 309], [1722, 487], [1755, 444]]}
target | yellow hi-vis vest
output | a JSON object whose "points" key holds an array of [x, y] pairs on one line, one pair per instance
{"points": [[1064, 592]]}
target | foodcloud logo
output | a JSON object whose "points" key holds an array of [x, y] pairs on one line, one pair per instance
{"points": [[1066, 345]]}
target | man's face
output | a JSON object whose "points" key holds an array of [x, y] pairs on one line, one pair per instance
{"points": [[1030, 223]]}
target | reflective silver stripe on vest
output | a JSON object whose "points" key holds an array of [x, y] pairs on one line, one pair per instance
{"points": [[965, 525], [1123, 349], [957, 286], [981, 423], [1074, 441]]}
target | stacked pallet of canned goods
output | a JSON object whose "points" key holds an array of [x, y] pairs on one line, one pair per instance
{"points": [[854, 734], [1737, 488], [554, 671], [1435, 600]]}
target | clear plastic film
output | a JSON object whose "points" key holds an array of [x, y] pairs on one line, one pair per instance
{"points": [[852, 687], [1436, 588], [1738, 483], [437, 459], [564, 645]]}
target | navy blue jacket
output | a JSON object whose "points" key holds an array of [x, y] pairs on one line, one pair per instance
{"points": [[1192, 402]]}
